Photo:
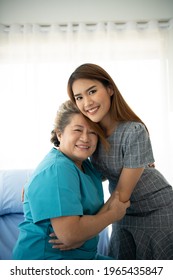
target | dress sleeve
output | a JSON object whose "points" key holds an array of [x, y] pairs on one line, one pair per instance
{"points": [[137, 149], [55, 192]]}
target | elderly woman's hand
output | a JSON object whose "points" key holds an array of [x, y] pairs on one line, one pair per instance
{"points": [[57, 244]]}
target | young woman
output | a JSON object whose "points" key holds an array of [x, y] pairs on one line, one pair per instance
{"points": [[146, 231], [64, 195]]}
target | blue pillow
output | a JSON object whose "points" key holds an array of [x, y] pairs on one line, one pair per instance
{"points": [[11, 184]]}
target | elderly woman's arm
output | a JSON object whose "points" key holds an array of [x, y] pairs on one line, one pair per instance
{"points": [[71, 230]]}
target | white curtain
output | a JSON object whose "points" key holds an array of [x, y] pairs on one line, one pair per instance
{"points": [[36, 61]]}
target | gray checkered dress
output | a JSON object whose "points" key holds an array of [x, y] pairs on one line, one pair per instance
{"points": [[146, 231]]}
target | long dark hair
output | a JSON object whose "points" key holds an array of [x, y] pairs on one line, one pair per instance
{"points": [[119, 110]]}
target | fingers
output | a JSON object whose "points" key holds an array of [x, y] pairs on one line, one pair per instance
{"points": [[55, 241], [58, 245], [52, 235], [22, 195]]}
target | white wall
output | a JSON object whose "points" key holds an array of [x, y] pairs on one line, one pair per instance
{"points": [[62, 11]]}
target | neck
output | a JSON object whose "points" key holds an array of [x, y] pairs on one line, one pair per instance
{"points": [[108, 125], [77, 163]]}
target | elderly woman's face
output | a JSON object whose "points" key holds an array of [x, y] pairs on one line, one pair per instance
{"points": [[78, 140]]}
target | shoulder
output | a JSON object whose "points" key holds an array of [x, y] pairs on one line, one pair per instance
{"points": [[54, 165], [56, 158], [125, 130], [129, 127], [136, 132], [128, 132]]}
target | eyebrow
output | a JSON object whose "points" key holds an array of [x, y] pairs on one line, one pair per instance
{"points": [[88, 89], [77, 125]]}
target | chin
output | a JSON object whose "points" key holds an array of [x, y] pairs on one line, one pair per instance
{"points": [[93, 119]]}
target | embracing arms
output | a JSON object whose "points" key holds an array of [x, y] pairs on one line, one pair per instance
{"points": [[71, 230], [127, 182]]}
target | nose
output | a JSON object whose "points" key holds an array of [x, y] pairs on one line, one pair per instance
{"points": [[84, 137], [88, 101]]}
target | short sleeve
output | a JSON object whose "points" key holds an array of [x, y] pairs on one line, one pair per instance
{"points": [[55, 192], [138, 150]]}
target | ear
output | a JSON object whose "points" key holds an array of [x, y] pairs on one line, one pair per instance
{"points": [[110, 90], [58, 135]]}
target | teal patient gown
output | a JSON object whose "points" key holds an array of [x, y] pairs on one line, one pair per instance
{"points": [[58, 188]]}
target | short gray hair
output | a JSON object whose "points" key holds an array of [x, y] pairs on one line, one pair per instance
{"points": [[63, 118]]}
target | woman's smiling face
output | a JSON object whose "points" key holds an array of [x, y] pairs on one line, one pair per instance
{"points": [[78, 140], [92, 98]]}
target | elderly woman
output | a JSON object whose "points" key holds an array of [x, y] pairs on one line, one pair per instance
{"points": [[65, 196]]}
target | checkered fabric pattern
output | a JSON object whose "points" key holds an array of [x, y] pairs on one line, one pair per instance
{"points": [[146, 231]]}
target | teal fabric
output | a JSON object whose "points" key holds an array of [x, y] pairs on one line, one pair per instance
{"points": [[57, 188]]}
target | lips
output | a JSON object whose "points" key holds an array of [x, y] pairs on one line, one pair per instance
{"points": [[83, 147], [93, 110]]}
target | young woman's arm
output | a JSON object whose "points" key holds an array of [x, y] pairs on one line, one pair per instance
{"points": [[71, 230], [127, 182]]}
